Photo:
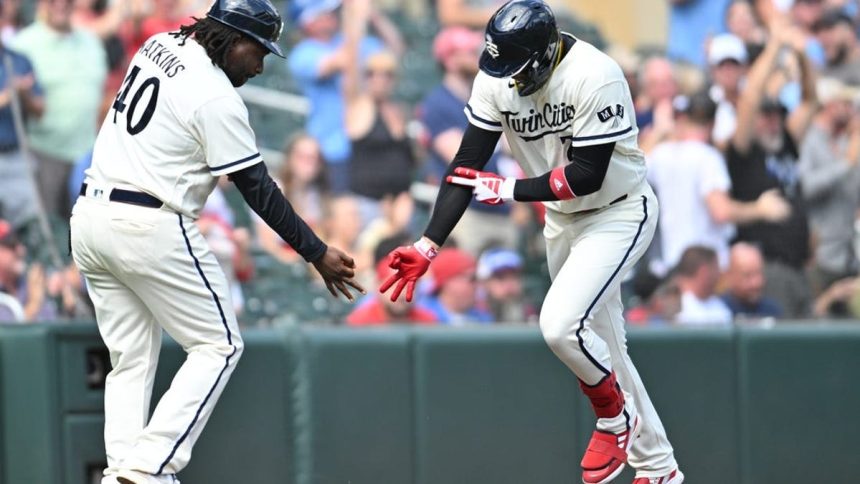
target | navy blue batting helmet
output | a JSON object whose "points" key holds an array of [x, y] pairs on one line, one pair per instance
{"points": [[258, 19], [522, 41]]}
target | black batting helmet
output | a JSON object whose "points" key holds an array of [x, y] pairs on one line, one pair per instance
{"points": [[258, 19], [522, 41]]}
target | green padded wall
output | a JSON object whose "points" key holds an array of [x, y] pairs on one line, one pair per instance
{"points": [[31, 419], [443, 406], [247, 439], [83, 448], [799, 404], [492, 406], [356, 407], [690, 375]]}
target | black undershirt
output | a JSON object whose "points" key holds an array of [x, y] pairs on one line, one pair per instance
{"points": [[584, 174], [475, 151], [265, 198]]}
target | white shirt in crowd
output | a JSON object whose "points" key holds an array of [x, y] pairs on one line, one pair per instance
{"points": [[695, 311], [683, 173]]}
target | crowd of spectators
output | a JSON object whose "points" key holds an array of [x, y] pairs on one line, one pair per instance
{"points": [[749, 119]]}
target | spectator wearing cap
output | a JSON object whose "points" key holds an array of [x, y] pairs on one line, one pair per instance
{"points": [[692, 185], [71, 65], [457, 49], [23, 290], [317, 63], [381, 310], [830, 174], [727, 58], [500, 274], [763, 155], [453, 297], [837, 34], [744, 294], [697, 274], [17, 192]]}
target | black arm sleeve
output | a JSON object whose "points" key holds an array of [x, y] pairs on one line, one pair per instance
{"points": [[584, 174], [264, 197], [475, 151]]}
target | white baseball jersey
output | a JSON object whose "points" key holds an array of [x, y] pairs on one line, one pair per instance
{"points": [[585, 102], [176, 124]]}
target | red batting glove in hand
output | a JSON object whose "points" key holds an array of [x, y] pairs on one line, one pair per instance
{"points": [[488, 187], [410, 263]]}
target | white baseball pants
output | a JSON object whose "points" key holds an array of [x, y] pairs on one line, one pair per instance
{"points": [[150, 269], [582, 316]]}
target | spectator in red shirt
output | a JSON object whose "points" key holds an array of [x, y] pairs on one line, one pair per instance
{"points": [[380, 309]]}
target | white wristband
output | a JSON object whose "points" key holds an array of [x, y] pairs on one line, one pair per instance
{"points": [[424, 248], [506, 191]]}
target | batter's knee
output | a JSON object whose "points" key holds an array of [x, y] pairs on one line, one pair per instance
{"points": [[557, 331]]}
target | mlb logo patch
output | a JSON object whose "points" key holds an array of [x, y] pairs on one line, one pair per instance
{"points": [[609, 112]]}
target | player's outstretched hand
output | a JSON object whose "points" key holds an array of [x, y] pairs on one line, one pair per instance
{"points": [[488, 188], [337, 270], [410, 263]]}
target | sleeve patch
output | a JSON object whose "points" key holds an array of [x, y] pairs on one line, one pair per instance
{"points": [[608, 113]]}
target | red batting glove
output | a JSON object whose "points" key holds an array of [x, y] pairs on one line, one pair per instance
{"points": [[410, 263], [488, 187]]}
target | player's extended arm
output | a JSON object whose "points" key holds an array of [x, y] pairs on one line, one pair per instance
{"points": [[475, 151], [265, 198], [582, 176], [412, 262]]}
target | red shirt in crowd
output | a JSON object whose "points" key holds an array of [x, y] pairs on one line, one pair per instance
{"points": [[373, 313]]}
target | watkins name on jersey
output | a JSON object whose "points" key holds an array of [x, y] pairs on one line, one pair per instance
{"points": [[162, 57]]}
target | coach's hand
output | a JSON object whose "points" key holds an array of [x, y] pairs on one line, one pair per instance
{"points": [[410, 263], [337, 270], [488, 187]]}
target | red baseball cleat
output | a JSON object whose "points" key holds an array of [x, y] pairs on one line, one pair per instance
{"points": [[674, 477], [607, 453]]}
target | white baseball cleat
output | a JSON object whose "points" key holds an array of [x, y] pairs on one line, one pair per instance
{"points": [[674, 477]]}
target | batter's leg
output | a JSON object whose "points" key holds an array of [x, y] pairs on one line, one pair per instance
{"points": [[601, 248], [189, 296], [651, 454], [587, 263]]}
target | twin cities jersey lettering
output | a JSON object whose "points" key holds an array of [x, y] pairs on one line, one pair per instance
{"points": [[585, 102], [177, 123]]}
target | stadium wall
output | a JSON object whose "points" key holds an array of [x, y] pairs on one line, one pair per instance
{"points": [[311, 405]]}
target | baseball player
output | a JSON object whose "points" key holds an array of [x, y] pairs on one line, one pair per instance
{"points": [[176, 125], [567, 114]]}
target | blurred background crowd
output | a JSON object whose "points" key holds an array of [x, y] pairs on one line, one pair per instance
{"points": [[748, 111]]}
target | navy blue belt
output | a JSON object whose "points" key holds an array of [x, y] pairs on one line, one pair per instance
{"points": [[130, 197], [592, 210]]}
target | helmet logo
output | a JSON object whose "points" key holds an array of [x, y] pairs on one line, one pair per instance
{"points": [[492, 48]]}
